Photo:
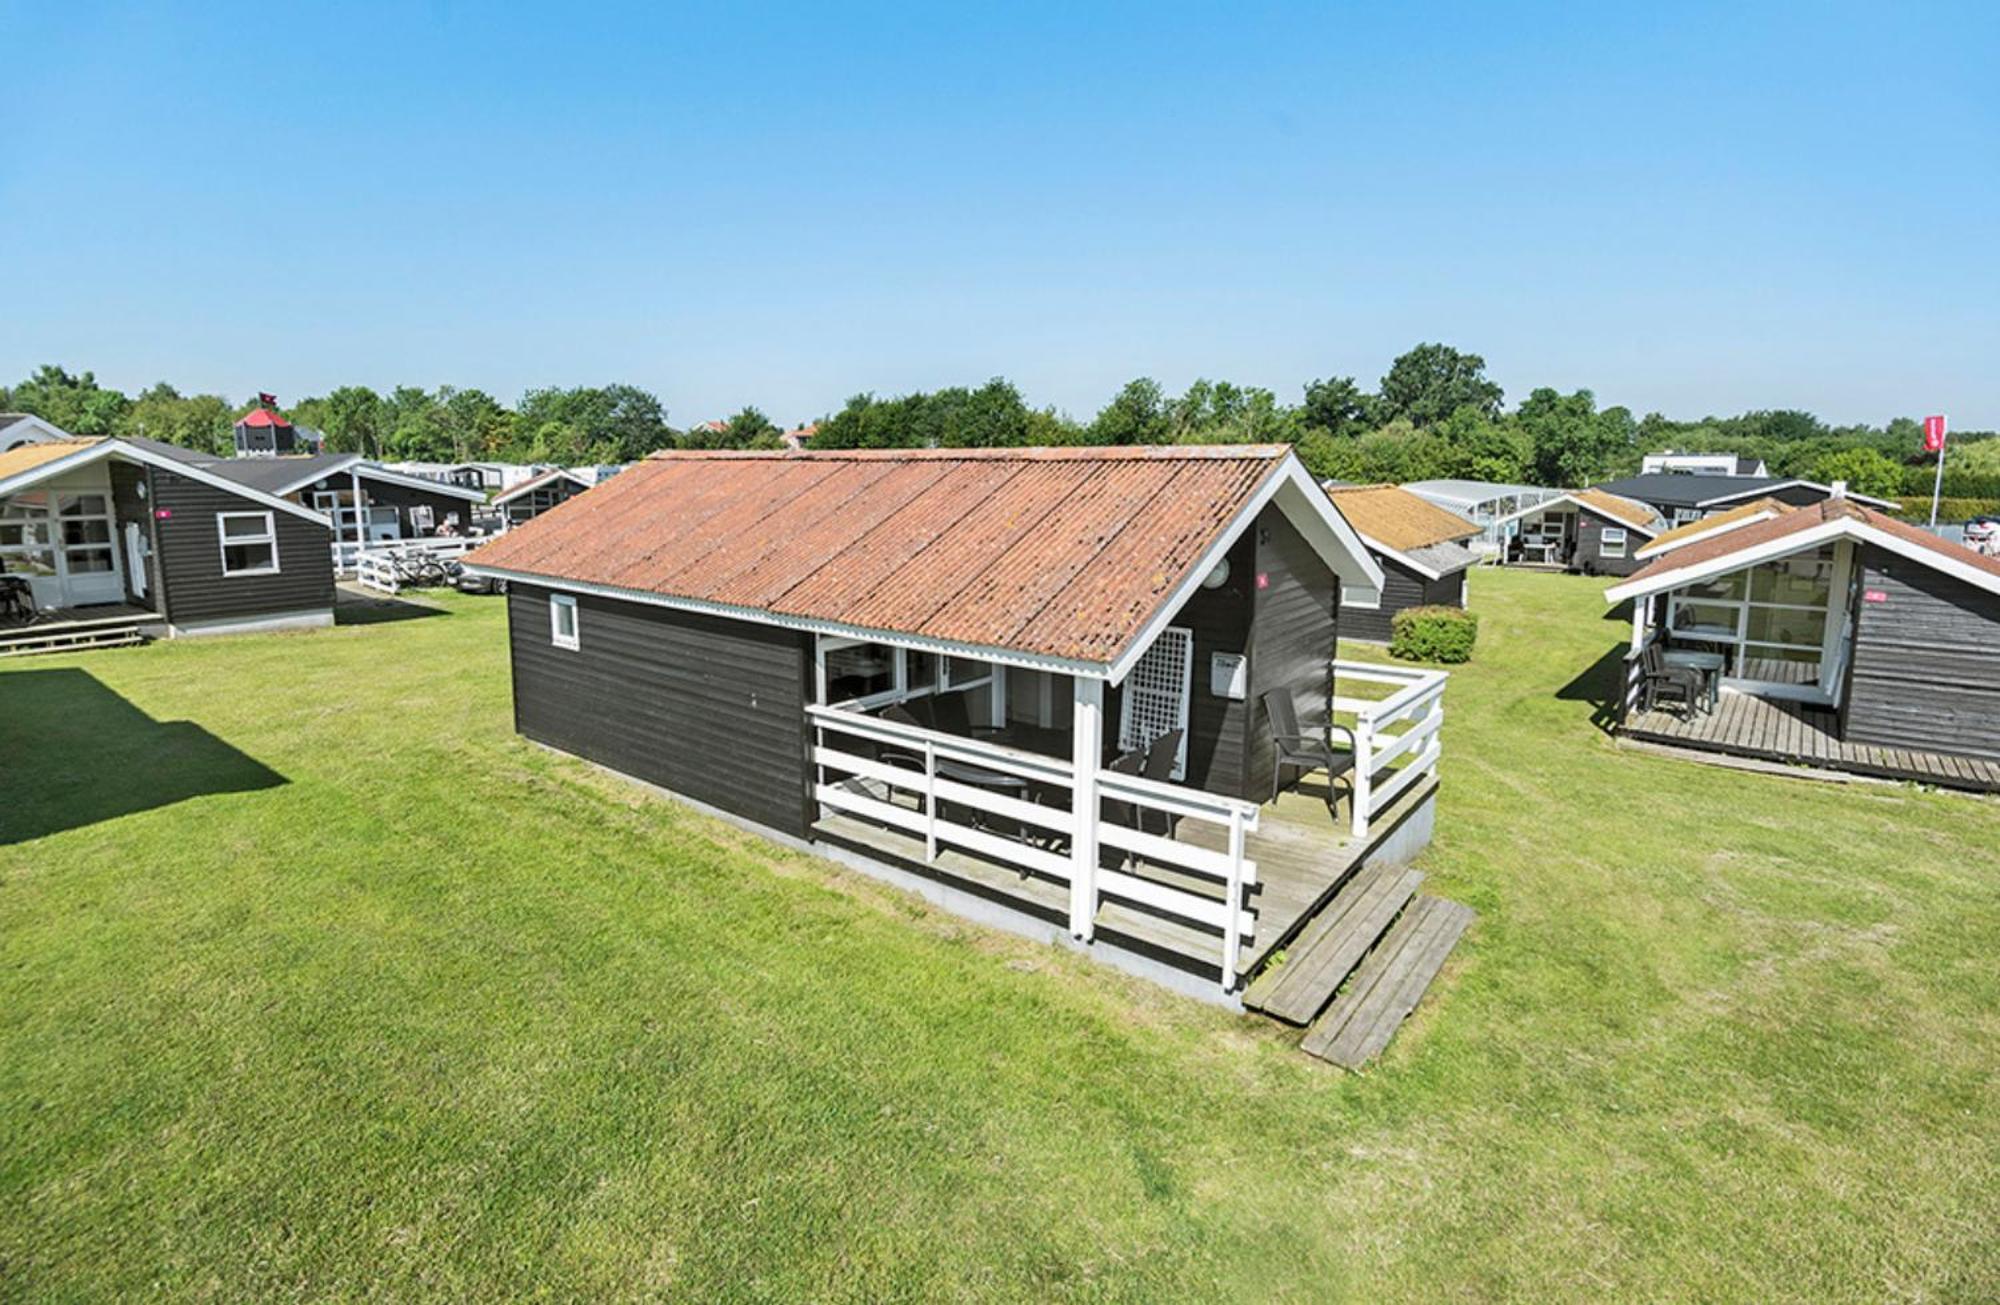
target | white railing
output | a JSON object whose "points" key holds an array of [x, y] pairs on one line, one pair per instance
{"points": [[379, 566], [1037, 833], [1416, 703], [347, 554]]}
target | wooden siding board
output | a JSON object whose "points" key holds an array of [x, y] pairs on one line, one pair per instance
{"points": [[709, 708], [188, 552], [1926, 661], [1401, 588]]}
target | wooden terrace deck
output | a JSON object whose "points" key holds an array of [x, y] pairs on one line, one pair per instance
{"points": [[1743, 725], [1304, 853]]}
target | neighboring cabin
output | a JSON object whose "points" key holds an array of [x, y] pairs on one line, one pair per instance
{"points": [[1681, 497], [18, 428], [1579, 530], [1872, 644], [111, 528], [531, 498], [1419, 546]]}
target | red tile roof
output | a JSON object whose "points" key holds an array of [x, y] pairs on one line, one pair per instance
{"points": [[261, 417], [1731, 542], [1062, 553]]}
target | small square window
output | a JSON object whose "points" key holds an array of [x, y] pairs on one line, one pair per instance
{"points": [[249, 543], [562, 621], [1611, 543]]}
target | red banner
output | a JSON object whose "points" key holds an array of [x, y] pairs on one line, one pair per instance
{"points": [[1933, 434]]}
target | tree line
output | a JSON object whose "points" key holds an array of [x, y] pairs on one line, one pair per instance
{"points": [[1434, 414]]}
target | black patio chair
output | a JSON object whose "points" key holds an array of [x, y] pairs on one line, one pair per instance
{"points": [[1658, 680], [17, 600], [1161, 755], [1302, 751], [1117, 811]]}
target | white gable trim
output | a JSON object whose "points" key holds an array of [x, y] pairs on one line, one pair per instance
{"points": [[1882, 505], [1306, 505], [1580, 505], [50, 431], [1799, 542], [1660, 548], [131, 452], [546, 477], [355, 463]]}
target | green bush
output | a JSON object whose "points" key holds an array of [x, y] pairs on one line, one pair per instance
{"points": [[1433, 634]]}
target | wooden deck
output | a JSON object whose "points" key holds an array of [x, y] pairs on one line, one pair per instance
{"points": [[1743, 725], [1303, 852]]}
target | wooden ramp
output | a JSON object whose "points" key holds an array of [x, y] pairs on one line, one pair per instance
{"points": [[1357, 969]]}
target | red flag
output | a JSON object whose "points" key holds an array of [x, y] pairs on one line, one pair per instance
{"points": [[271, 400], [1933, 434]]}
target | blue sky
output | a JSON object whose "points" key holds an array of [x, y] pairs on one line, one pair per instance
{"points": [[1686, 208]]}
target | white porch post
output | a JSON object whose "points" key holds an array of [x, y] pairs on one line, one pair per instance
{"points": [[1086, 753], [1364, 762], [996, 699], [360, 524]]}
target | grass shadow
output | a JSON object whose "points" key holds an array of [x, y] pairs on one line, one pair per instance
{"points": [[1599, 685], [85, 754], [350, 608]]}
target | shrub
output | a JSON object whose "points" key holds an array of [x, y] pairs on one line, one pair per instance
{"points": [[1918, 509], [1433, 634]]}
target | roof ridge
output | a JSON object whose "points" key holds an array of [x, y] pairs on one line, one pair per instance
{"points": [[1023, 453]]}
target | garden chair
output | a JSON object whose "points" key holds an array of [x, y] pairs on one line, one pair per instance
{"points": [[1658, 680], [1304, 752]]}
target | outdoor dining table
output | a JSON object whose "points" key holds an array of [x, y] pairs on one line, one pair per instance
{"points": [[1710, 665]]}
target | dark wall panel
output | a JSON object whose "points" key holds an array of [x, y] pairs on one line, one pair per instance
{"points": [[1926, 661], [189, 554], [1292, 638], [130, 506], [709, 708]]}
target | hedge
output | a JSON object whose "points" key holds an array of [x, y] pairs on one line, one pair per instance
{"points": [[1433, 634], [1951, 510]]}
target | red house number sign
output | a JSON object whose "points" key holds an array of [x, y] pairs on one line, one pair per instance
{"points": [[163, 514], [1874, 595]]}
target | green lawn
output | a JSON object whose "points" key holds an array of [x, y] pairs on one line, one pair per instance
{"points": [[315, 981]]}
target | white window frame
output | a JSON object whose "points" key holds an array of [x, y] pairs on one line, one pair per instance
{"points": [[558, 604], [224, 541], [1832, 651], [1607, 537]]}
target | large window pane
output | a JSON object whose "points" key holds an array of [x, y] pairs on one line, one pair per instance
{"points": [[1786, 625], [87, 531], [860, 671], [1804, 581], [1723, 588], [84, 561], [1709, 618], [83, 505], [238, 558]]}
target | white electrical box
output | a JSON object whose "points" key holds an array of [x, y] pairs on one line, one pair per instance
{"points": [[1228, 675]]}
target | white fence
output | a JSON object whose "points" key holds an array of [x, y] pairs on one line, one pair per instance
{"points": [[1056, 831], [380, 566], [1416, 705]]}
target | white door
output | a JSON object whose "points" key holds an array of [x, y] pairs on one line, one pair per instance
{"points": [[87, 548]]}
